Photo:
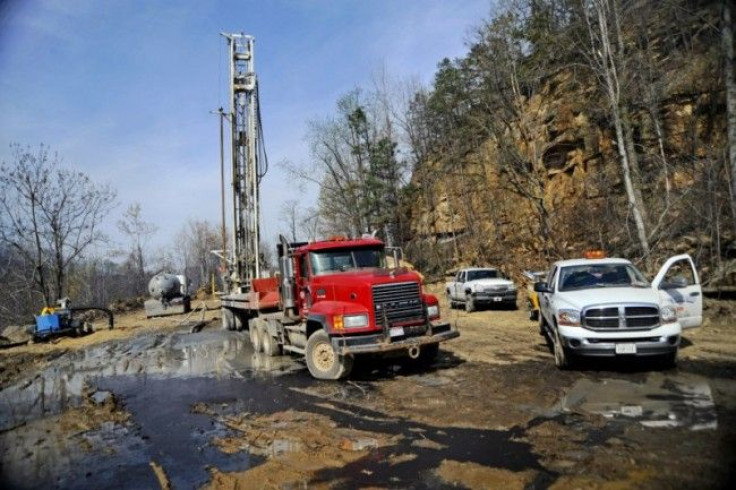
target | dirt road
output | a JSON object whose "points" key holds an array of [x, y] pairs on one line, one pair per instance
{"points": [[150, 405]]}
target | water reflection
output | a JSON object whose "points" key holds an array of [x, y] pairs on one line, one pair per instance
{"points": [[204, 354], [662, 400]]}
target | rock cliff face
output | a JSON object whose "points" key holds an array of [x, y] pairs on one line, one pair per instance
{"points": [[569, 196]]}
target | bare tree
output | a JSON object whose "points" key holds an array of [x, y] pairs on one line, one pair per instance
{"points": [[605, 53], [354, 161], [197, 239], [311, 223], [49, 214], [290, 216], [138, 231]]}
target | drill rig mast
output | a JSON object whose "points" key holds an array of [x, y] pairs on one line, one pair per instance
{"points": [[248, 163]]}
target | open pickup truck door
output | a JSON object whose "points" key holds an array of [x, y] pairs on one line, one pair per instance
{"points": [[677, 284]]}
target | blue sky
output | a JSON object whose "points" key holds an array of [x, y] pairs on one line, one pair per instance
{"points": [[122, 89]]}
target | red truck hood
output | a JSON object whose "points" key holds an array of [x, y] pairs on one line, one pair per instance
{"points": [[366, 277]]}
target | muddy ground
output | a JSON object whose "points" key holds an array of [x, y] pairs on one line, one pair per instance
{"points": [[151, 405]]}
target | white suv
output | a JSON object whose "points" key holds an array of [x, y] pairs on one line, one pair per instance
{"points": [[605, 307]]}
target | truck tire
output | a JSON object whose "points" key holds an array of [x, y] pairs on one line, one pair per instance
{"points": [[533, 315], [469, 304], [239, 320], [563, 359], [228, 319], [428, 354], [256, 337], [322, 360], [669, 361], [271, 346], [542, 325]]}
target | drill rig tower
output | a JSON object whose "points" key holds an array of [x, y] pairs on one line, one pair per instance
{"points": [[247, 168]]}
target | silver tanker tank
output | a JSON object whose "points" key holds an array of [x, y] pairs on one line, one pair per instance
{"points": [[165, 287]]}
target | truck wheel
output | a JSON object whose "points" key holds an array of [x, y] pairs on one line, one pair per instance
{"points": [[322, 360], [228, 319], [542, 324], [562, 357], [256, 337], [533, 315], [469, 304], [239, 320], [428, 354], [271, 346], [669, 361]]}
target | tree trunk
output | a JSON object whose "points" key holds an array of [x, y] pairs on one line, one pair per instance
{"points": [[730, 77], [39, 275], [630, 193], [636, 177]]}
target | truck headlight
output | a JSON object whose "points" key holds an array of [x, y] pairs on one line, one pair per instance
{"points": [[569, 318], [356, 321], [667, 314], [433, 311]]}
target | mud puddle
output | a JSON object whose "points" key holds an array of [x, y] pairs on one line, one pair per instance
{"points": [[49, 434], [306, 440], [204, 354], [659, 400]]}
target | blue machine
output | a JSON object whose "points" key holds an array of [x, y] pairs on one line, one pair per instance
{"points": [[47, 324], [62, 322]]}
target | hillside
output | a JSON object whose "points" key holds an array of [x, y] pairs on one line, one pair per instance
{"points": [[538, 175]]}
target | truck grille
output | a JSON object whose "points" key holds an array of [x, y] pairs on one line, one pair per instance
{"points": [[617, 317], [496, 289], [399, 303]]}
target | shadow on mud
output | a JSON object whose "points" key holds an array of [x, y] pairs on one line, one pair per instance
{"points": [[375, 368]]}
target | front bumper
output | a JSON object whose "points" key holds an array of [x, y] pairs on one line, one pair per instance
{"points": [[366, 344], [658, 341], [489, 298]]}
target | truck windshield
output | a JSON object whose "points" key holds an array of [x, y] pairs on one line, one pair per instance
{"points": [[483, 274], [329, 261], [601, 276]]}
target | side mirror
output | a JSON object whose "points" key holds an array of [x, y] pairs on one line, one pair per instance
{"points": [[541, 287]]}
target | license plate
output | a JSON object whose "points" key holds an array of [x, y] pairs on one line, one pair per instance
{"points": [[625, 348], [396, 331], [497, 298]]}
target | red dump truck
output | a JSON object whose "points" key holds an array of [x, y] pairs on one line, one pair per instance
{"points": [[334, 300]]}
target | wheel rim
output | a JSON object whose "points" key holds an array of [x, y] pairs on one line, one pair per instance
{"points": [[324, 357]]}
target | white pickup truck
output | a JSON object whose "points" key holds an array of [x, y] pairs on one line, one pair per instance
{"points": [[606, 307], [480, 286]]}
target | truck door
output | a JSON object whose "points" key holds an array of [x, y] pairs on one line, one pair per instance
{"points": [[303, 294], [678, 285], [545, 299], [457, 287]]}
